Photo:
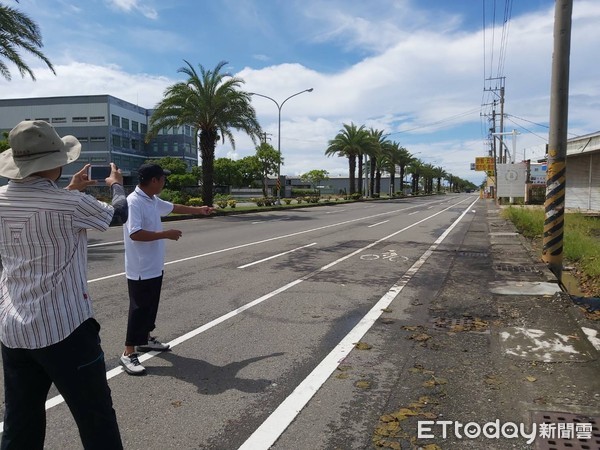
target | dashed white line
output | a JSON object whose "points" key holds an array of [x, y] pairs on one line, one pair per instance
{"points": [[375, 224]]}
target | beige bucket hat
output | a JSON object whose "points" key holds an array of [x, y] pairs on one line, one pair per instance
{"points": [[35, 146]]}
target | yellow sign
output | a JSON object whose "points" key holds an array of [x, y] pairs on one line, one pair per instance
{"points": [[484, 164]]}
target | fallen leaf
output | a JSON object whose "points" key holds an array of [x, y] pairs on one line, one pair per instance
{"points": [[363, 384], [342, 376], [387, 321], [176, 403], [387, 310], [363, 346], [421, 337], [410, 327], [530, 378]]}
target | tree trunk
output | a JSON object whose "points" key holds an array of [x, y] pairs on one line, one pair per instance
{"points": [[208, 140], [392, 181], [378, 183], [360, 174], [372, 164], [352, 173]]}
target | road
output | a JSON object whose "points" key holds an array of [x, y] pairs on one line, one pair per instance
{"points": [[261, 309]]}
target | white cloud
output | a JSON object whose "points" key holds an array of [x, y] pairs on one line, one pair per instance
{"points": [[135, 5]]}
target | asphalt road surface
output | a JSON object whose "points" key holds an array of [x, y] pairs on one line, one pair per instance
{"points": [[260, 310]]}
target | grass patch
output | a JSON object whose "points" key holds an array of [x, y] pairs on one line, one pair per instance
{"points": [[581, 241]]}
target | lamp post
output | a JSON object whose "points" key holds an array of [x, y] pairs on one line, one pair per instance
{"points": [[279, 106]]}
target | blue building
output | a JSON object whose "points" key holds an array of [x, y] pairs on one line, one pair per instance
{"points": [[109, 129]]}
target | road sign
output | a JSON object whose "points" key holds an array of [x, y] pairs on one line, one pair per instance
{"points": [[484, 163]]}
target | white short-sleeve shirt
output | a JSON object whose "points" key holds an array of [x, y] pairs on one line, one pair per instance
{"points": [[144, 260]]}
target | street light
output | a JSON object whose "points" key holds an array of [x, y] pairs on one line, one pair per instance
{"points": [[279, 106]]}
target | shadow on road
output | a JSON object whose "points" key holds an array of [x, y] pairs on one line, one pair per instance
{"points": [[211, 379]]}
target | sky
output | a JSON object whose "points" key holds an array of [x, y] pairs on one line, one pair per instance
{"points": [[426, 72]]}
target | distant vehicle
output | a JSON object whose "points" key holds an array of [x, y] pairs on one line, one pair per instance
{"points": [[468, 191]]}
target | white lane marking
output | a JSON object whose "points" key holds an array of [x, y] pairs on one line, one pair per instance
{"points": [[54, 401], [249, 244], [336, 211], [103, 244], [275, 256], [274, 426], [375, 224], [414, 212]]}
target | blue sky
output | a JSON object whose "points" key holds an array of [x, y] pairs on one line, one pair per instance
{"points": [[415, 68]]}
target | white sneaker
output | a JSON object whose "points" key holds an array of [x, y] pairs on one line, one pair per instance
{"points": [[132, 364], [153, 344]]}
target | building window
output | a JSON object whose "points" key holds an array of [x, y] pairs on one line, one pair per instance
{"points": [[135, 126], [175, 130], [175, 147], [79, 119], [97, 119], [125, 123], [45, 119], [125, 142], [187, 130], [144, 128], [82, 139], [135, 144], [165, 147], [97, 159], [116, 121], [98, 139], [59, 120], [116, 139], [155, 147]]}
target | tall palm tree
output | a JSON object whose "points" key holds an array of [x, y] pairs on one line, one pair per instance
{"points": [[18, 31], [350, 142], [404, 160], [210, 101], [439, 173], [375, 152]]}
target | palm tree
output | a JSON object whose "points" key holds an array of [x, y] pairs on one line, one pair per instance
{"points": [[439, 173], [404, 160], [18, 31], [212, 103], [350, 142], [375, 152]]}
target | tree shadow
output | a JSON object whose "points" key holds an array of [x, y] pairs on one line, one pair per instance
{"points": [[208, 378]]}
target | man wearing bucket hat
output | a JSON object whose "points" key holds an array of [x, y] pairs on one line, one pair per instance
{"points": [[47, 330], [144, 261]]}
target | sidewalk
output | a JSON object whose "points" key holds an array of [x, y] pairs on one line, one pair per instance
{"points": [[498, 343]]}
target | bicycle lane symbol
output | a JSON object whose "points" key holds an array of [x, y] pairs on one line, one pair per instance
{"points": [[390, 255]]}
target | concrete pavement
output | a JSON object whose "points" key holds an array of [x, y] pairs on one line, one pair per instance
{"points": [[498, 347]]}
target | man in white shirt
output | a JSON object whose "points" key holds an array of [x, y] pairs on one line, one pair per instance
{"points": [[144, 261], [47, 328]]}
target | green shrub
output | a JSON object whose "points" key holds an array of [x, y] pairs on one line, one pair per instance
{"points": [[356, 196], [287, 200], [195, 201], [232, 202]]}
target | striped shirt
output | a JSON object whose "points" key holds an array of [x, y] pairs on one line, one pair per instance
{"points": [[43, 243]]}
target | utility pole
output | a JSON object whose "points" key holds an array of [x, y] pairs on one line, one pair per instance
{"points": [[552, 252], [502, 158]]}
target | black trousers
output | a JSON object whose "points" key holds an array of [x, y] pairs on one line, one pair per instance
{"points": [[144, 296], [76, 367]]}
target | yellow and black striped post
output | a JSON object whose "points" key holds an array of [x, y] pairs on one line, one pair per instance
{"points": [[554, 222], [554, 205]]}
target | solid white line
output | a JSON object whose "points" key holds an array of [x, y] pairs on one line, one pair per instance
{"points": [[275, 256], [414, 212], [272, 428], [54, 401], [375, 224]]}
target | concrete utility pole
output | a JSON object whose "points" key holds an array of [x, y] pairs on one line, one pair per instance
{"points": [[554, 205]]}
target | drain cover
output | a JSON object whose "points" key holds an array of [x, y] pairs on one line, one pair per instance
{"points": [[512, 268], [561, 431], [466, 323], [474, 254]]}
